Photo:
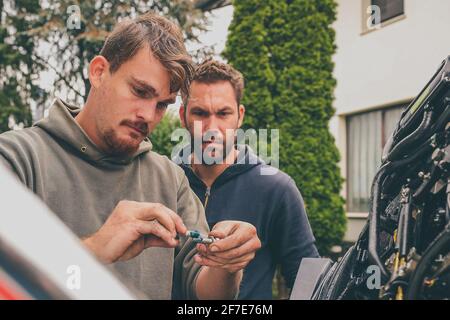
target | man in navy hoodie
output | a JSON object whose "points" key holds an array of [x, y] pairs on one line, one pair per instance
{"points": [[239, 188]]}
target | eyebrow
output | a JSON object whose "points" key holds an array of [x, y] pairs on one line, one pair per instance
{"points": [[148, 87], [170, 101], [198, 108], [225, 108], [144, 85]]}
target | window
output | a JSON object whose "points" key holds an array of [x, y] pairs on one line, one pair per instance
{"points": [[389, 8], [390, 11], [367, 134]]}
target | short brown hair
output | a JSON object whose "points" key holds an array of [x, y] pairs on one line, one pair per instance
{"points": [[165, 41], [211, 71]]}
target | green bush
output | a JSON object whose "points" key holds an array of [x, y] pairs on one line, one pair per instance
{"points": [[17, 68], [161, 136], [284, 49]]}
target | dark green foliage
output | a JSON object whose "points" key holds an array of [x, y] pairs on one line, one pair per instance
{"points": [[161, 136], [17, 70], [284, 49]]}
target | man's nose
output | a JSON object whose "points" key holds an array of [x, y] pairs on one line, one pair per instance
{"points": [[147, 111], [212, 129], [211, 124]]}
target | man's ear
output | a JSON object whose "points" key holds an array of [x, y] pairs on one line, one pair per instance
{"points": [[181, 113], [241, 115], [98, 69]]}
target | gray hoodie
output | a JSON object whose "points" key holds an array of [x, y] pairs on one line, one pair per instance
{"points": [[57, 161]]}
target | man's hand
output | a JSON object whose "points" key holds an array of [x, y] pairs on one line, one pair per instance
{"points": [[236, 248], [133, 227]]}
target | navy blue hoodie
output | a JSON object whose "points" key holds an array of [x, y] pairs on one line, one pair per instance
{"points": [[274, 205]]}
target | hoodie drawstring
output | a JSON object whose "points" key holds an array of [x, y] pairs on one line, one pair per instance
{"points": [[207, 193]]}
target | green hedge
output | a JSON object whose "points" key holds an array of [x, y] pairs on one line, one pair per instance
{"points": [[161, 135], [284, 49]]}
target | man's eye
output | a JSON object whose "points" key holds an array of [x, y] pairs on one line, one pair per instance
{"points": [[162, 105], [223, 114], [200, 113], [140, 92]]}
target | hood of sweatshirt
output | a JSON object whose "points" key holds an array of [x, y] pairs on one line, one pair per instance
{"points": [[60, 124], [246, 160]]}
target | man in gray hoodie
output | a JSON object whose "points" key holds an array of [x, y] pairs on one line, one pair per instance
{"points": [[95, 169]]}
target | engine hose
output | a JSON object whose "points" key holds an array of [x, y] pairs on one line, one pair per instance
{"points": [[439, 244], [437, 138], [447, 208], [374, 216], [403, 234], [394, 137], [374, 219], [443, 119], [413, 137], [428, 182]]}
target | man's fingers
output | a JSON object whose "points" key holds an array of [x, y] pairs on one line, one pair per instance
{"points": [[202, 248], [245, 258], [207, 262], [230, 242], [230, 267], [156, 229], [218, 234], [179, 224], [232, 234], [133, 250], [235, 253], [169, 219], [153, 241], [151, 211], [222, 230], [143, 243]]}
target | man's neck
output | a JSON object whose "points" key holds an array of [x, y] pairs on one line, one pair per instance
{"points": [[209, 173], [85, 121]]}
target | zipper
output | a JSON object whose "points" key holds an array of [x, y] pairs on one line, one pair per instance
{"points": [[207, 194], [208, 189]]}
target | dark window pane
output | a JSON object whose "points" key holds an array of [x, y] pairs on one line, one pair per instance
{"points": [[389, 8]]}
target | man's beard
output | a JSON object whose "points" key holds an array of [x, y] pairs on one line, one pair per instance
{"points": [[122, 147], [206, 155]]}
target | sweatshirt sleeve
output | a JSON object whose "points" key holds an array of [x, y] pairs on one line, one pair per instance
{"points": [[294, 238], [185, 269], [13, 156], [5, 163]]}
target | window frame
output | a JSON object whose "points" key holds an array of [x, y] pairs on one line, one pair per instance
{"points": [[364, 16]]}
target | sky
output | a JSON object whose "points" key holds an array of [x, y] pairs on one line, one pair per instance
{"points": [[217, 30]]}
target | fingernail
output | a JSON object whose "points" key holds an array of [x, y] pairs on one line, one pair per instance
{"points": [[214, 249]]}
